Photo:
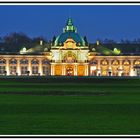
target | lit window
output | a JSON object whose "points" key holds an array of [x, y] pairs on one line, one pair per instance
{"points": [[45, 70], [126, 63], [69, 58], [2, 61], [45, 61], [13, 61], [13, 70], [35, 61], [34, 69], [115, 62], [2, 70], [24, 69], [137, 62], [24, 61], [104, 62]]}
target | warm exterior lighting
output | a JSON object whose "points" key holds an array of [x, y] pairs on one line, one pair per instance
{"points": [[126, 63], [41, 42], [93, 49], [116, 51], [98, 43], [115, 62], [23, 50], [69, 55], [104, 62], [137, 62]]}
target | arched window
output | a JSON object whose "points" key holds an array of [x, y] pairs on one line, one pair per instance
{"points": [[34, 69], [104, 62], [94, 62], [69, 58], [2, 61], [45, 61], [126, 62], [137, 62], [115, 62], [13, 61], [35, 61], [46, 70], [24, 61]]}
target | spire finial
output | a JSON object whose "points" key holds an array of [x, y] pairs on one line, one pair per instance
{"points": [[69, 22], [69, 26]]}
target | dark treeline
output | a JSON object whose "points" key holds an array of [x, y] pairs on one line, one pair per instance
{"points": [[14, 42], [126, 46]]}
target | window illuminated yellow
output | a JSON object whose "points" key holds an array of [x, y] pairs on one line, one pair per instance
{"points": [[126, 63], [115, 62], [137, 62], [104, 62]]}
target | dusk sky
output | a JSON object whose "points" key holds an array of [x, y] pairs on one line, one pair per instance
{"points": [[112, 22]]}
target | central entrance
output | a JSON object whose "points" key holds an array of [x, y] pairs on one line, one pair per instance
{"points": [[70, 70]]}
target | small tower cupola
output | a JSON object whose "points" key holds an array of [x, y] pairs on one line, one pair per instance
{"points": [[69, 26]]}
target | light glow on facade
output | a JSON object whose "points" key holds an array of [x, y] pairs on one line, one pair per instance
{"points": [[69, 56]]}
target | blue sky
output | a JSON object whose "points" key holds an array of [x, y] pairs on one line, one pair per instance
{"points": [[112, 22]]}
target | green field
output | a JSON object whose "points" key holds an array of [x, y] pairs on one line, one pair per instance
{"points": [[69, 106]]}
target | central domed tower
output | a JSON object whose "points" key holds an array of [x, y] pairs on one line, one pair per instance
{"points": [[69, 53], [69, 32]]}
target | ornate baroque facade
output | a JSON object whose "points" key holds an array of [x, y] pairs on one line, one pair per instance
{"points": [[69, 56]]}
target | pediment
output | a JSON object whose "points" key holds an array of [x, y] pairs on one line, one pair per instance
{"points": [[70, 43]]}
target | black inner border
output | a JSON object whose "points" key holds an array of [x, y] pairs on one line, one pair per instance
{"points": [[70, 2]]}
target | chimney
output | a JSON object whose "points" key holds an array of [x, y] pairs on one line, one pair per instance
{"points": [[98, 43], [41, 42]]}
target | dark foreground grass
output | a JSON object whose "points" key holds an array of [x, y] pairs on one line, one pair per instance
{"points": [[49, 106]]}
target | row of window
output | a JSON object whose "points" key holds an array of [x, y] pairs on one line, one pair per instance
{"points": [[116, 62], [24, 61], [106, 73], [24, 70]]}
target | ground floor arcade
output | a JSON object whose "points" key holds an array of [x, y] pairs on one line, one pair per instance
{"points": [[41, 65]]}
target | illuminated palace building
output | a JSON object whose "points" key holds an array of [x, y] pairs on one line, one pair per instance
{"points": [[70, 55]]}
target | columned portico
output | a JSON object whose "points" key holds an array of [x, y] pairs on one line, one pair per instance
{"points": [[52, 69], [30, 67], [86, 70], [18, 67], [40, 67], [98, 67], [75, 70], [131, 68], [7, 67], [120, 70], [109, 68], [63, 70]]}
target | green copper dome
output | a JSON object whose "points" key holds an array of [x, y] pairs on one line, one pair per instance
{"points": [[69, 31]]}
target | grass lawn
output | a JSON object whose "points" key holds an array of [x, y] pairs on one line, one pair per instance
{"points": [[61, 105]]}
